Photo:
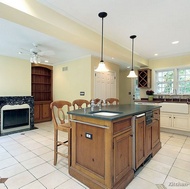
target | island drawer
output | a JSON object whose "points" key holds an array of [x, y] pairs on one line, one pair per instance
{"points": [[121, 125]]}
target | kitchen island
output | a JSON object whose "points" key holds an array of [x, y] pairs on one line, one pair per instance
{"points": [[104, 141]]}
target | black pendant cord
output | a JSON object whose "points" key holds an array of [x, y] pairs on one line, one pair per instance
{"points": [[132, 37], [102, 42], [102, 15], [132, 52]]}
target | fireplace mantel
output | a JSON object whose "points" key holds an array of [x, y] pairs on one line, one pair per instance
{"points": [[19, 100]]}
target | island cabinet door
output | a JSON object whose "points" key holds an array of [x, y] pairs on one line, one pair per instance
{"points": [[122, 155], [140, 141], [155, 133], [156, 128], [148, 140], [90, 149]]}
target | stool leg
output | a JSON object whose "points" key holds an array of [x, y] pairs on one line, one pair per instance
{"points": [[55, 145]]}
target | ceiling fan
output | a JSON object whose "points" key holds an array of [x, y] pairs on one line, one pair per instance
{"points": [[37, 55]]}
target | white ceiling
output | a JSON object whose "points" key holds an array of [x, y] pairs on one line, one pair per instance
{"points": [[156, 23]]}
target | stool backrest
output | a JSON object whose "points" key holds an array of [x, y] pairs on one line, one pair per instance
{"points": [[78, 103], [112, 101], [96, 101], [58, 114]]}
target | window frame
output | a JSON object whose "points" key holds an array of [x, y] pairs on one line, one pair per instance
{"points": [[175, 80]]}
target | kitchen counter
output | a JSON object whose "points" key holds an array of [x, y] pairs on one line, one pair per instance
{"points": [[122, 110], [101, 152], [164, 100]]}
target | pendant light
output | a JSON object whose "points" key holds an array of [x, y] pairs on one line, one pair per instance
{"points": [[101, 67], [132, 73]]}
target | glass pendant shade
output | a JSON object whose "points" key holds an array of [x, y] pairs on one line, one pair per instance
{"points": [[132, 73], [102, 67]]}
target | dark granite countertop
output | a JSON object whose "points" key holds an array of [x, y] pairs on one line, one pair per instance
{"points": [[123, 110], [164, 100]]}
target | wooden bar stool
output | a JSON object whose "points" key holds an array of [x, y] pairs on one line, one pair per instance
{"points": [[58, 117], [112, 101], [96, 101], [78, 103]]}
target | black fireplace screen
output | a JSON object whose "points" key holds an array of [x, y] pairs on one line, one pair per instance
{"points": [[15, 118]]}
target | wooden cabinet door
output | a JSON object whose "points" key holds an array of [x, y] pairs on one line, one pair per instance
{"points": [[122, 155], [42, 112], [46, 112], [148, 140], [37, 112], [155, 133], [140, 141]]}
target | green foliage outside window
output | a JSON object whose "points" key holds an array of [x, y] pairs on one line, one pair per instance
{"points": [[168, 80]]}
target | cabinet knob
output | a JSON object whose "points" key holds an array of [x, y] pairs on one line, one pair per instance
{"points": [[131, 135]]}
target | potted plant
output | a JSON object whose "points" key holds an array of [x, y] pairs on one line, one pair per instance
{"points": [[150, 94]]}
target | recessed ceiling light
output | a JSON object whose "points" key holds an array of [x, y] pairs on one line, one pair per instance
{"points": [[19, 52], [112, 58], [175, 42], [155, 54], [46, 61]]}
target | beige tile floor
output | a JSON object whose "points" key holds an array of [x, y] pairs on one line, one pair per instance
{"points": [[26, 159]]}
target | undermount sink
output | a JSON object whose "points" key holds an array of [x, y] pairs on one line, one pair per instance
{"points": [[102, 113]]}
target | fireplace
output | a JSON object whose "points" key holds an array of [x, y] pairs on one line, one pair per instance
{"points": [[15, 117], [16, 114]]}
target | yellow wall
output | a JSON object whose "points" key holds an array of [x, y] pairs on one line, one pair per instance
{"points": [[79, 77], [15, 77], [68, 84], [124, 87], [170, 62]]}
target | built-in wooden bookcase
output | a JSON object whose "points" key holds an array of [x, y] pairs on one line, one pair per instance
{"points": [[144, 78], [42, 91]]}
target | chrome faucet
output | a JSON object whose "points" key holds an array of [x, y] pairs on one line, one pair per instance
{"points": [[100, 105], [92, 105]]}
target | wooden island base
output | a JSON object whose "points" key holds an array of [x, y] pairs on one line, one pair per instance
{"points": [[101, 152], [91, 183], [101, 149]]}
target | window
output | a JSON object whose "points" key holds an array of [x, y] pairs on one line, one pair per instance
{"points": [[172, 81], [164, 81], [184, 81], [137, 90]]}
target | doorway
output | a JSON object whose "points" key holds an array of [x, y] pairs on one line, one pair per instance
{"points": [[105, 85]]}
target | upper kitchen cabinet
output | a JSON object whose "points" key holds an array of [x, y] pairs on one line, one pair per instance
{"points": [[42, 92], [144, 78]]}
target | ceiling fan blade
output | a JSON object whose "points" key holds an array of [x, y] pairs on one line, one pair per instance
{"points": [[46, 53]]}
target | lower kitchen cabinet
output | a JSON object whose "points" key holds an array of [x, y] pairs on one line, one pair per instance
{"points": [[175, 121], [166, 120], [101, 155], [147, 138], [42, 112], [156, 128], [140, 141], [122, 155]]}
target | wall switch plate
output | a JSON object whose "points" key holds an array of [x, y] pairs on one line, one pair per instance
{"points": [[82, 93]]}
